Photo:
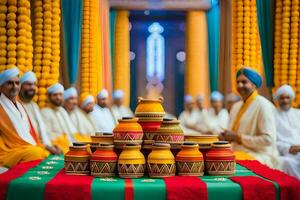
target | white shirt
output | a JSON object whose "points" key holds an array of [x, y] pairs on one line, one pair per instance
{"points": [[217, 122], [103, 118], [121, 111], [82, 122]]}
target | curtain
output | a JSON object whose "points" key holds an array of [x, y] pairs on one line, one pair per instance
{"points": [[112, 23]]}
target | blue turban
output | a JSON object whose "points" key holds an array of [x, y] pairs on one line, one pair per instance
{"points": [[55, 88], [70, 92], [251, 74], [8, 74], [216, 96]]}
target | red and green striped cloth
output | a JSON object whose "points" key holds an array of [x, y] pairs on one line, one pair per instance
{"points": [[46, 180]]}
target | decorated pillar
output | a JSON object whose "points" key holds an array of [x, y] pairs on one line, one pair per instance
{"points": [[121, 55]]}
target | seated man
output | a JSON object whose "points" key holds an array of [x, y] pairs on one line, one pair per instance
{"points": [[252, 126], [87, 104], [27, 92], [288, 131], [77, 116], [218, 117], [18, 142], [57, 119], [231, 99], [118, 109]]}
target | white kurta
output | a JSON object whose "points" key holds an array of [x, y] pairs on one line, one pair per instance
{"points": [[103, 118], [37, 122], [121, 111], [18, 117], [258, 130], [217, 123], [58, 123], [83, 122], [188, 119], [288, 134]]}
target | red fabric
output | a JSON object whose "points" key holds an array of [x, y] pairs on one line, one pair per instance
{"points": [[289, 186], [65, 187], [185, 187], [129, 189], [13, 173], [256, 188]]}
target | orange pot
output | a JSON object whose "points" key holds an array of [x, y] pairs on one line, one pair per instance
{"points": [[77, 160], [220, 160], [189, 160]]}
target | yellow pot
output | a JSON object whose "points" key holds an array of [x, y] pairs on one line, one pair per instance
{"points": [[161, 161], [201, 139], [104, 138], [150, 108], [131, 163]]}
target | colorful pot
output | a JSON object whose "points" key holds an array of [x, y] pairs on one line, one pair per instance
{"points": [[189, 160], [161, 162], [220, 160], [128, 131], [77, 160], [131, 163], [104, 138], [103, 161], [150, 113], [170, 132], [201, 139]]}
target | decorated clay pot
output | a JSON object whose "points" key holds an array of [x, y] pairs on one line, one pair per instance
{"points": [[131, 163], [128, 131], [189, 160], [103, 161], [161, 162], [104, 138], [150, 113], [77, 160], [170, 132], [201, 139], [220, 160]]}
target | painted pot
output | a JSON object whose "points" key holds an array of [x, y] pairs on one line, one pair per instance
{"points": [[201, 139], [220, 160], [161, 161], [131, 163], [170, 132], [128, 131], [150, 113], [103, 161], [189, 161], [104, 138], [77, 160]]}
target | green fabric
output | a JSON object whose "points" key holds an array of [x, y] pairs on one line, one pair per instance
{"points": [[148, 189], [265, 15], [108, 188], [112, 22], [26, 188]]}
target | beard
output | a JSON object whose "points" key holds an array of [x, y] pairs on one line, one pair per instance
{"points": [[243, 91], [285, 106], [29, 94], [56, 102]]}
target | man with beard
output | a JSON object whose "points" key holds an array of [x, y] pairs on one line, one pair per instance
{"points": [[57, 120], [288, 131], [77, 116], [252, 126], [18, 141], [102, 115], [27, 92]]}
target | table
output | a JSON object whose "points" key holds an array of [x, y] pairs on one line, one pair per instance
{"points": [[46, 180]]}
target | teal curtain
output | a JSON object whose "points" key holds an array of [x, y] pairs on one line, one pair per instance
{"points": [[72, 18], [112, 22], [213, 28], [265, 15]]}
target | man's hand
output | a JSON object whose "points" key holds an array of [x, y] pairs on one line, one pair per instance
{"points": [[229, 136], [54, 150], [294, 149]]}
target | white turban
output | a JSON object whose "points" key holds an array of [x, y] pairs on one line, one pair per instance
{"points": [[188, 99], [102, 94], [118, 94], [200, 97], [29, 77], [86, 100], [216, 96], [8, 74], [285, 89], [55, 88], [70, 92]]}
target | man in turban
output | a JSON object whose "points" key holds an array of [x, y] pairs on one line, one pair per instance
{"points": [[57, 120], [102, 114], [118, 109], [252, 126], [18, 142], [27, 92], [218, 117], [288, 131]]}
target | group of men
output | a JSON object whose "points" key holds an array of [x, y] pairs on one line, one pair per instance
{"points": [[28, 133], [254, 126]]}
